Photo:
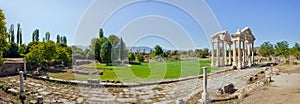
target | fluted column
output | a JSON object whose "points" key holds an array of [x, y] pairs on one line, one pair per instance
{"points": [[218, 54], [223, 54], [205, 97], [234, 54], [212, 54], [230, 54], [252, 53], [248, 56], [244, 55], [239, 55]]}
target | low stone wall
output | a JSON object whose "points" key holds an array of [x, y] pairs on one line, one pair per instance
{"points": [[10, 68], [121, 85]]}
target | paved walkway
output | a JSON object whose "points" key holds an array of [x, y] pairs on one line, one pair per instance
{"points": [[162, 93]]}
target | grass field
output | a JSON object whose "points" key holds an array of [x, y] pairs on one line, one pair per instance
{"points": [[152, 71]]}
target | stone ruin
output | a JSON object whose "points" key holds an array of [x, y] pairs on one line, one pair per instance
{"points": [[243, 49]]}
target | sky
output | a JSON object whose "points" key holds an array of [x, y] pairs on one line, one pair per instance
{"points": [[153, 22]]}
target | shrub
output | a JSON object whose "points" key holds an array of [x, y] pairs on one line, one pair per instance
{"points": [[118, 81], [2, 85]]}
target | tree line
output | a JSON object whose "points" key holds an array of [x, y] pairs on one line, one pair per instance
{"points": [[279, 49], [37, 53]]}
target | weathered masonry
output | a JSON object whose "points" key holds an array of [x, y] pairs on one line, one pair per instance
{"points": [[241, 55]]}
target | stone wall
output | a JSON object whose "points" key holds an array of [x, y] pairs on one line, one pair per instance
{"points": [[10, 68]]}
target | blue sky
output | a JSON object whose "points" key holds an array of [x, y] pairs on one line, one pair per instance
{"points": [[270, 20]]}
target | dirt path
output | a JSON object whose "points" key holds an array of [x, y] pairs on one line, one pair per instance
{"points": [[285, 89]]}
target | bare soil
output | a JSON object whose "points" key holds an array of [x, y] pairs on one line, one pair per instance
{"points": [[284, 89]]}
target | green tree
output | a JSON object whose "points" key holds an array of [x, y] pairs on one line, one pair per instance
{"points": [[101, 33], [3, 36], [12, 52], [95, 47], [105, 52], [42, 54], [266, 49], [47, 36], [12, 33], [21, 37], [57, 39], [140, 58], [113, 39], [29, 46], [158, 51], [296, 50], [35, 35], [63, 55], [64, 40], [202, 53], [19, 34], [282, 49], [131, 56], [22, 50]]}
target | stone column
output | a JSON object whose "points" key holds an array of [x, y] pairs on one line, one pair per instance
{"points": [[212, 54], [218, 54], [244, 55], [248, 56], [40, 100], [230, 54], [21, 82], [223, 54], [252, 53], [234, 54], [205, 98], [25, 70], [22, 95], [239, 55]]}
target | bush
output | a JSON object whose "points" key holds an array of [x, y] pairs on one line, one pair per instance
{"points": [[135, 63], [2, 85], [118, 81], [140, 58]]}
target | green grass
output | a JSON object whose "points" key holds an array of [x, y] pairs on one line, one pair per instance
{"points": [[152, 71]]}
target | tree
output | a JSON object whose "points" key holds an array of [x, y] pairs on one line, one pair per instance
{"points": [[266, 49], [282, 49], [35, 35], [202, 53], [131, 56], [140, 58], [95, 48], [12, 52], [19, 34], [42, 54], [57, 39], [63, 55], [3, 36], [105, 52], [64, 40], [101, 34], [296, 50], [113, 39], [22, 50], [12, 33], [47, 36], [158, 51], [21, 37]]}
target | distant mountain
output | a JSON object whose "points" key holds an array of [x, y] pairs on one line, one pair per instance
{"points": [[83, 47], [141, 48]]}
